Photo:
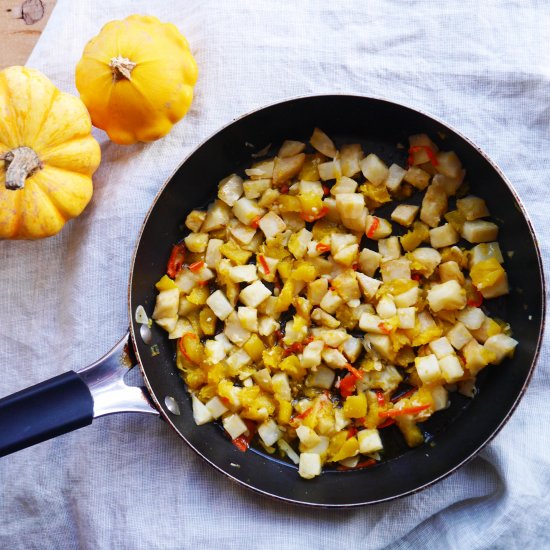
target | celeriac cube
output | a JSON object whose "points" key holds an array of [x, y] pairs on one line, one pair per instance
{"points": [[289, 148], [374, 169], [421, 143], [230, 189], [368, 285], [234, 426], [369, 441], [450, 270], [213, 254], [351, 155], [242, 233], [479, 231], [417, 177], [471, 317], [196, 242], [214, 351], [407, 298], [243, 273], [167, 304], [322, 377], [224, 341], [253, 295], [333, 358], [271, 225], [167, 323], [451, 368], [247, 210], [267, 326], [268, 198], [451, 185], [440, 397], [442, 236], [323, 318], [235, 331], [347, 256], [485, 251], [220, 305], [406, 317], [182, 326], [395, 177], [331, 302], [311, 356], [310, 465], [216, 407], [372, 324], [476, 356], [459, 336], [316, 290], [253, 189], [350, 205], [472, 207], [352, 348], [441, 347], [332, 213], [448, 164], [322, 143], [501, 345], [248, 316], [344, 185], [358, 223], [311, 188], [434, 204], [377, 228], [369, 261], [428, 258], [449, 295], [261, 170], [307, 437], [428, 369], [322, 447], [389, 248], [271, 263], [396, 269], [281, 386], [269, 432], [339, 241], [333, 338], [237, 360], [381, 344], [195, 219], [263, 379], [500, 288], [286, 168], [405, 214], [217, 216], [386, 307], [201, 414], [330, 170]]}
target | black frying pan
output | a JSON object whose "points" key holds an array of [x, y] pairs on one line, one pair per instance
{"points": [[453, 437]]}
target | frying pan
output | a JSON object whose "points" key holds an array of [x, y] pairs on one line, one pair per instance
{"points": [[453, 436]]}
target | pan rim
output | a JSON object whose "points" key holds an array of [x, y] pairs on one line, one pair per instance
{"points": [[540, 335]]}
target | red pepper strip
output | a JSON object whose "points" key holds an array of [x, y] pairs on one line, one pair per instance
{"points": [[347, 385], [430, 152], [386, 423], [264, 264], [477, 300], [297, 347], [322, 247], [326, 190], [408, 393], [255, 222], [416, 276], [364, 464], [181, 344], [300, 416], [357, 373], [380, 398], [243, 441], [314, 217], [373, 227], [392, 413], [284, 189], [175, 263], [196, 267], [203, 283], [355, 266], [384, 328], [352, 432]]}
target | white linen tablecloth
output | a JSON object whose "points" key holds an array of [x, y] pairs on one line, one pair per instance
{"points": [[127, 481]]}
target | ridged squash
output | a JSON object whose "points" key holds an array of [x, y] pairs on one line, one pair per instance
{"points": [[136, 78], [47, 155]]}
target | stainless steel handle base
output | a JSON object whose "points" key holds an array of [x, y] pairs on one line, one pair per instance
{"points": [[105, 379]]}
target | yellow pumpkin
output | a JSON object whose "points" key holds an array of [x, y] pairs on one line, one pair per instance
{"points": [[47, 155], [136, 78]]}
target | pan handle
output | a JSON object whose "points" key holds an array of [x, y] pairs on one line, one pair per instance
{"points": [[71, 401]]}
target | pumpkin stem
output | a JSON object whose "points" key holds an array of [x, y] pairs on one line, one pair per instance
{"points": [[122, 67], [20, 163]]}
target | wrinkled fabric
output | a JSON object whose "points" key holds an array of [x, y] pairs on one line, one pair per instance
{"points": [[128, 481]]}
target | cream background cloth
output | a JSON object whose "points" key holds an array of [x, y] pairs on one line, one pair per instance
{"points": [[127, 481]]}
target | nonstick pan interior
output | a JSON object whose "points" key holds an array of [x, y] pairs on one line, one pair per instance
{"points": [[455, 434]]}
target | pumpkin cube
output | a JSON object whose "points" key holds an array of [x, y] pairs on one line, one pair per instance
{"points": [[217, 217], [196, 242], [485, 251], [434, 204], [289, 148], [355, 406], [377, 228], [450, 270], [316, 290]]}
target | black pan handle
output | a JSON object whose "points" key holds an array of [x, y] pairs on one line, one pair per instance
{"points": [[71, 401], [54, 407]]}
